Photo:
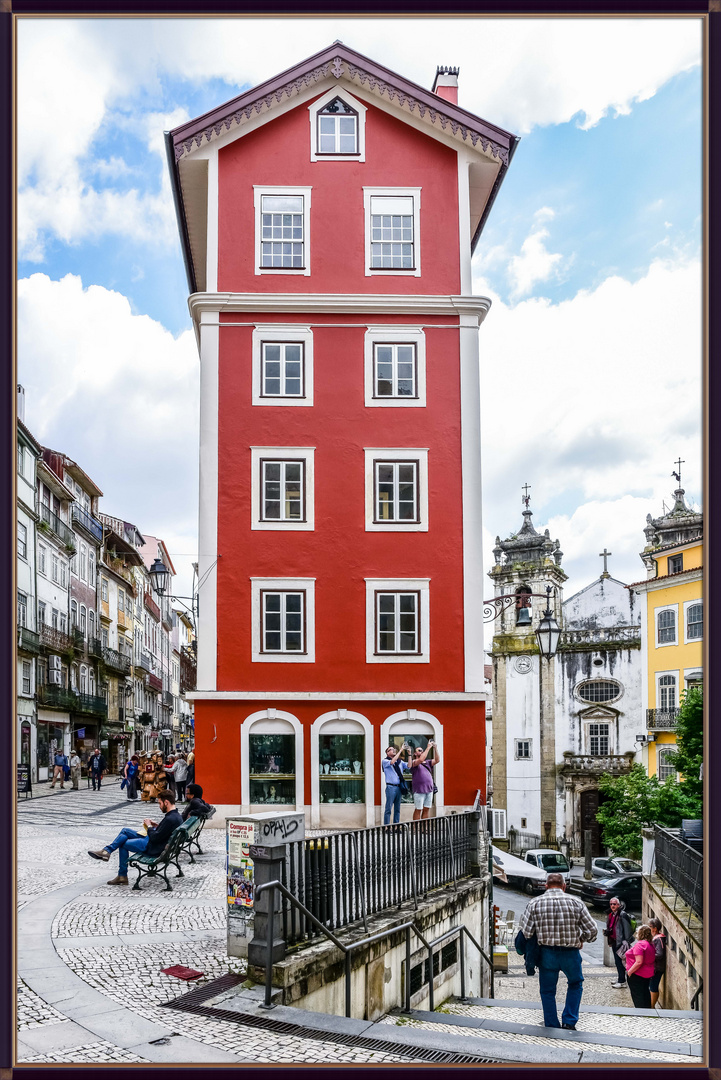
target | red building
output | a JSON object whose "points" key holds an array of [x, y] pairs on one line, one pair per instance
{"points": [[328, 218]]}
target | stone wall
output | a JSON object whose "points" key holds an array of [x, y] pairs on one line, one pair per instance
{"points": [[684, 937]]}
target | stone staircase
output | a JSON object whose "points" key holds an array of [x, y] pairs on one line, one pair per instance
{"points": [[506, 1030]]}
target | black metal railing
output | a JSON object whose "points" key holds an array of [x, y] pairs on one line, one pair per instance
{"points": [[519, 841], [661, 719], [408, 927], [29, 641], [53, 522], [344, 877], [91, 525], [56, 641], [91, 704], [95, 647], [680, 867], [116, 661], [55, 696]]}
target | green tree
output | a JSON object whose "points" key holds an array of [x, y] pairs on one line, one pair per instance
{"points": [[688, 755], [635, 801]]}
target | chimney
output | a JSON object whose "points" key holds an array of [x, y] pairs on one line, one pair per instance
{"points": [[21, 403], [445, 84]]}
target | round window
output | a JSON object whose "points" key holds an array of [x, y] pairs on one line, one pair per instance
{"points": [[599, 690]]}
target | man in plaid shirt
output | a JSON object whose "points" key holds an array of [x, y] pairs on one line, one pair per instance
{"points": [[561, 924]]}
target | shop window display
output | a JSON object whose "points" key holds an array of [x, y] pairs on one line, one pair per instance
{"points": [[272, 769], [413, 741], [341, 763]]}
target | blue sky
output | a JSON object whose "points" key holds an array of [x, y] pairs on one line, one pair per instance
{"points": [[590, 356]]}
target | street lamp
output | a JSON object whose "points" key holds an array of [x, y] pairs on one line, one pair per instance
{"points": [[548, 632], [160, 577]]}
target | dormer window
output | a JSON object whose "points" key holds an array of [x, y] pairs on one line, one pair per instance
{"points": [[337, 128]]}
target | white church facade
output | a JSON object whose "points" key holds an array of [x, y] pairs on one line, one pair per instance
{"points": [[559, 724]]}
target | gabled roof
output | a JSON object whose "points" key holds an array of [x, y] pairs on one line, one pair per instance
{"points": [[340, 62]]}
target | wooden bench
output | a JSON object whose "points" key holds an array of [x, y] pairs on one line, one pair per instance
{"points": [[152, 865]]}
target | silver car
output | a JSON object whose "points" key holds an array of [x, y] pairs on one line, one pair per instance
{"points": [[608, 866]]}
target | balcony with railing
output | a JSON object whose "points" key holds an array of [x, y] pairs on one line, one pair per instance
{"points": [[188, 670], [168, 699], [29, 641], [87, 522], [145, 663], [595, 765], [661, 719], [90, 705], [55, 696], [155, 682], [50, 522], [680, 866], [151, 606], [56, 641], [116, 661], [95, 647], [603, 635]]}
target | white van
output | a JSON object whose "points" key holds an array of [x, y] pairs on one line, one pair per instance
{"points": [[550, 862]]}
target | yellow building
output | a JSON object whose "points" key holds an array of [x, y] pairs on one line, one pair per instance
{"points": [[671, 616]]}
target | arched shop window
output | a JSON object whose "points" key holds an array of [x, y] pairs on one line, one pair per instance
{"points": [[271, 759], [415, 728], [342, 761]]}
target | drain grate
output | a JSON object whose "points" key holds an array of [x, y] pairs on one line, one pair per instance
{"points": [[194, 1003]]}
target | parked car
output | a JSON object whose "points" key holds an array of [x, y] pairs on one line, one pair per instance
{"points": [[626, 887], [548, 861], [519, 872], [609, 865]]}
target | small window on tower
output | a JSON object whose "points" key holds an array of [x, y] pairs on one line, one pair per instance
{"points": [[675, 564]]}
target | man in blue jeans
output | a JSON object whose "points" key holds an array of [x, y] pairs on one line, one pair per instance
{"points": [[128, 840], [561, 924], [395, 784]]}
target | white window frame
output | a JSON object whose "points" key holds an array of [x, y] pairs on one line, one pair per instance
{"points": [[271, 334], [660, 748], [393, 193], [595, 721], [282, 453], [687, 605], [22, 531], [275, 722], [498, 823], [656, 612], [523, 757], [258, 191], [27, 677], [317, 106], [260, 585], [42, 560], [677, 689], [419, 585], [420, 455], [401, 335]]}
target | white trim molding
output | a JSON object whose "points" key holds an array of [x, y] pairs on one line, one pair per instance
{"points": [[677, 688], [419, 585], [282, 333], [677, 636], [689, 604], [208, 505], [317, 106], [277, 722], [329, 695], [306, 454], [393, 193], [471, 480], [338, 304], [392, 454], [342, 722], [392, 335], [259, 190], [414, 721], [262, 584]]}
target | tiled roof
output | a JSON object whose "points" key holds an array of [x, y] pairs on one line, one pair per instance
{"points": [[663, 577]]}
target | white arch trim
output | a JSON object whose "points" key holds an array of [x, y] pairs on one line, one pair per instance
{"points": [[336, 722], [268, 720], [409, 721]]}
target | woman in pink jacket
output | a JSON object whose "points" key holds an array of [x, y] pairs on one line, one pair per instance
{"points": [[640, 960]]}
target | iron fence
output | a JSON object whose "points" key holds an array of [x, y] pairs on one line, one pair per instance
{"points": [[680, 867], [519, 841], [344, 877]]}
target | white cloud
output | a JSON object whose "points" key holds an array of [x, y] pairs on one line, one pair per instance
{"points": [[590, 401], [118, 393], [535, 263], [75, 76]]}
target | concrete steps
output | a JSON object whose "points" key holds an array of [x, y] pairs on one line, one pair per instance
{"points": [[513, 1031]]}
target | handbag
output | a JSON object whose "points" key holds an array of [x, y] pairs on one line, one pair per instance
{"points": [[622, 949], [435, 789]]}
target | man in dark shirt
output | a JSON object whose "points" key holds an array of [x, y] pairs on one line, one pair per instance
{"points": [[197, 807], [128, 840], [97, 766]]}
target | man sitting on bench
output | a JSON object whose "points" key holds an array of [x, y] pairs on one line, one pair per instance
{"points": [[128, 840], [197, 807]]}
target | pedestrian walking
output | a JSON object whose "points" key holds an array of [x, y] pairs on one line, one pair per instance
{"points": [[191, 768], [659, 968], [619, 935], [130, 774], [128, 840], [640, 963], [60, 763], [75, 770], [561, 924], [98, 767], [395, 784], [422, 780], [170, 777], [180, 775]]}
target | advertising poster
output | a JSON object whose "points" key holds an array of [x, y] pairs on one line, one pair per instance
{"points": [[239, 865]]}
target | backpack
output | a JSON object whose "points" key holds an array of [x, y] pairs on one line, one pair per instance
{"points": [[633, 922]]}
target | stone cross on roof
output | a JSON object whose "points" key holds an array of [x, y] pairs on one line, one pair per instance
{"points": [[678, 474], [604, 555], [526, 498]]}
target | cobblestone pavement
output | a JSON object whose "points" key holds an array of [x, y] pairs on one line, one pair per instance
{"points": [[116, 940]]}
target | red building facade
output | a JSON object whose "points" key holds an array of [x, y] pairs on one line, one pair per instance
{"points": [[328, 219]]}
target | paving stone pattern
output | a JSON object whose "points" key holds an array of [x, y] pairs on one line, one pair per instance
{"points": [[93, 1053], [33, 1011]]}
